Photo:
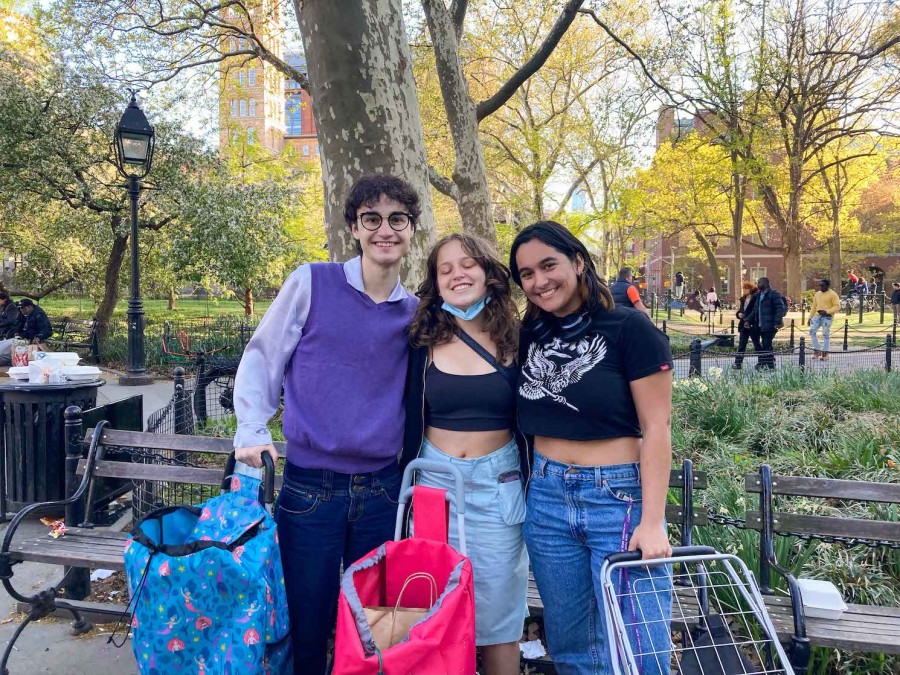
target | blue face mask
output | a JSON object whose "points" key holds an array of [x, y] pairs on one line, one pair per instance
{"points": [[467, 314]]}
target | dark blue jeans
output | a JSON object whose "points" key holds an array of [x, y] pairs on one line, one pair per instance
{"points": [[326, 518]]}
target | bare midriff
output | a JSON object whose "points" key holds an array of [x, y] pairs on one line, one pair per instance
{"points": [[606, 452], [467, 444]]}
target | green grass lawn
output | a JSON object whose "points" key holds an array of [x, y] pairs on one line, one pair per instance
{"points": [[153, 309]]}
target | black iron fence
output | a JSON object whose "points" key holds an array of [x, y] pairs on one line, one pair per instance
{"points": [[845, 336], [709, 358], [201, 404], [168, 344]]}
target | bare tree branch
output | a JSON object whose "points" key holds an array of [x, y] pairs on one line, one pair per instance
{"points": [[637, 57], [443, 184], [530, 67], [862, 56]]}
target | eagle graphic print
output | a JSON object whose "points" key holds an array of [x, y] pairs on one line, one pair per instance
{"points": [[551, 368]]}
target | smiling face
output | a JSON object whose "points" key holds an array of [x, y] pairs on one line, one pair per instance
{"points": [[461, 281], [384, 246], [549, 278]]}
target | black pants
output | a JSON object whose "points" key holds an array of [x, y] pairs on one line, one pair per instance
{"points": [[746, 334], [767, 355]]}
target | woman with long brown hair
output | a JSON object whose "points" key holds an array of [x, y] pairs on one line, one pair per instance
{"points": [[461, 411], [595, 392]]}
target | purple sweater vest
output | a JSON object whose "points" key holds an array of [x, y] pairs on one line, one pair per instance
{"points": [[343, 387]]}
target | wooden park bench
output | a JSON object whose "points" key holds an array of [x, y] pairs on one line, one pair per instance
{"points": [[84, 546], [69, 334], [862, 628]]}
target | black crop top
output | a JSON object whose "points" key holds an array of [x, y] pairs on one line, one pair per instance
{"points": [[468, 402], [577, 388]]}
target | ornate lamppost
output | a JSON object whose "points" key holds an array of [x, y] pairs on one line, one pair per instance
{"points": [[134, 143]]}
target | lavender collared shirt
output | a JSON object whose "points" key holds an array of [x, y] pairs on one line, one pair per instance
{"points": [[260, 376]]}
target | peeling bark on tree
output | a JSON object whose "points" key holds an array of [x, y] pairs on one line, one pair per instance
{"points": [[248, 301], [469, 173], [366, 111]]}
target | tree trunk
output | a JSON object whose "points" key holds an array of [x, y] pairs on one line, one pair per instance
{"points": [[834, 250], [603, 254], [248, 301], [793, 259], [111, 282], [737, 228], [710, 259], [469, 172], [171, 299], [366, 111]]}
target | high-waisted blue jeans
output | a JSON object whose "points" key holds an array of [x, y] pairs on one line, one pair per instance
{"points": [[576, 516]]}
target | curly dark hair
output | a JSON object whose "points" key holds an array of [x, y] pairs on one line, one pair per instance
{"points": [[431, 325], [369, 189], [594, 292]]}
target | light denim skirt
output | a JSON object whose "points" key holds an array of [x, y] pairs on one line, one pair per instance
{"points": [[495, 512]]}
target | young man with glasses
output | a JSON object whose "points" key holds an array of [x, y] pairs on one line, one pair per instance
{"points": [[334, 338]]}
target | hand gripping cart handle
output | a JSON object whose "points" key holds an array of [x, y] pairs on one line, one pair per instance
{"points": [[708, 599], [457, 499]]}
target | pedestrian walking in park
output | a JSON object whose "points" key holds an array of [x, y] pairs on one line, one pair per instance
{"points": [[852, 280], [679, 285], [712, 299], [862, 287], [461, 411], [767, 317], [9, 317], [745, 328], [595, 391], [693, 302], [335, 338], [825, 305], [625, 293], [895, 301]]}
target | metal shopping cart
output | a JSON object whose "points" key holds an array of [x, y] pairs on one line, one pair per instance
{"points": [[719, 624]]}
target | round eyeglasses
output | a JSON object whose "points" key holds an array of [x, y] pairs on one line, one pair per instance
{"points": [[398, 221]]}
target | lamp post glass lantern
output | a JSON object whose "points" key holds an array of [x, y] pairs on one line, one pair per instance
{"points": [[134, 143]]}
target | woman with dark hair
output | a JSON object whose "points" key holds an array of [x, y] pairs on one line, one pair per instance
{"points": [[746, 330], [461, 411], [595, 392]]}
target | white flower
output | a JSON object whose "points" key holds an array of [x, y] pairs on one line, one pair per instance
{"points": [[715, 372]]}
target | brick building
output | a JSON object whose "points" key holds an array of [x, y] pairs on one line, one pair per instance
{"points": [[258, 105]]}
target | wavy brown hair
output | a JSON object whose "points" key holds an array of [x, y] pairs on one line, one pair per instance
{"points": [[432, 325]]}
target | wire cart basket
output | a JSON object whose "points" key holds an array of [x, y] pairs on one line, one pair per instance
{"points": [[719, 623]]}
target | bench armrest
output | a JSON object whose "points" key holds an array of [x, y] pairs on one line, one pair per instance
{"points": [[95, 451], [796, 599]]}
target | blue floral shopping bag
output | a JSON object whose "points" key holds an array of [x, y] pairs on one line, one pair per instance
{"points": [[207, 587]]}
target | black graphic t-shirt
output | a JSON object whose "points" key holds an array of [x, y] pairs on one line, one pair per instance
{"points": [[577, 388]]}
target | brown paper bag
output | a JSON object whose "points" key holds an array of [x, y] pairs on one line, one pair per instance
{"points": [[389, 625]]}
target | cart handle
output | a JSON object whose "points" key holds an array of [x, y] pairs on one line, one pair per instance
{"points": [[266, 488], [457, 498], [677, 552]]}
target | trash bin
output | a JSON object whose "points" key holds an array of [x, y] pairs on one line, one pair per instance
{"points": [[32, 464]]}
